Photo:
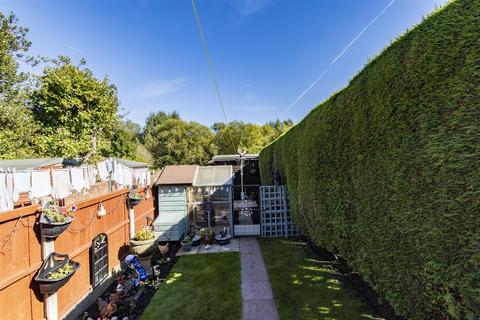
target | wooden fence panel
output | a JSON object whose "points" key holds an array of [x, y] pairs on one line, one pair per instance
{"points": [[20, 251]]}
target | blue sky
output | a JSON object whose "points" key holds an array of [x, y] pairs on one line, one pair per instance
{"points": [[266, 52]]}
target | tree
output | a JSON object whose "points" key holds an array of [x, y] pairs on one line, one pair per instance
{"points": [[126, 142], [13, 46], [77, 111], [17, 127], [173, 141], [156, 118], [247, 137]]}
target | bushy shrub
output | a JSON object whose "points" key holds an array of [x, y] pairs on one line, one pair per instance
{"points": [[386, 173]]}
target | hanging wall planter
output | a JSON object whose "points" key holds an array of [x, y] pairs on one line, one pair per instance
{"points": [[54, 220], [134, 199], [55, 271]]}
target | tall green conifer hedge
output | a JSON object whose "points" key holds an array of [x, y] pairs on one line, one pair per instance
{"points": [[386, 173]]}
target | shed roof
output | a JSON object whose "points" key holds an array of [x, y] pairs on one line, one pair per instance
{"points": [[233, 157], [177, 175], [35, 163], [214, 176]]}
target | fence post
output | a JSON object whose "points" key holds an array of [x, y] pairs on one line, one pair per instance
{"points": [[51, 304], [131, 218]]}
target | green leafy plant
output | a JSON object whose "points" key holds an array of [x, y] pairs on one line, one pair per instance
{"points": [[187, 240], [145, 233], [61, 272], [136, 196], [207, 235], [55, 213], [385, 172]]}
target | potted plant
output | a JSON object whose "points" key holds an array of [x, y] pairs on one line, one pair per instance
{"points": [[134, 199], [223, 237], [55, 219], [143, 242], [55, 271], [187, 243], [142, 245], [207, 236], [196, 239]]}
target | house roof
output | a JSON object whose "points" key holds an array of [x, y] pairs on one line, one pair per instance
{"points": [[131, 163], [178, 175], [214, 176], [35, 163]]}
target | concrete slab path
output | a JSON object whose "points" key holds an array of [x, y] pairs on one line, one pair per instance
{"points": [[258, 302]]}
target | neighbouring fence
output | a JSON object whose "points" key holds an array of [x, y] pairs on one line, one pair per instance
{"points": [[276, 220], [21, 256]]}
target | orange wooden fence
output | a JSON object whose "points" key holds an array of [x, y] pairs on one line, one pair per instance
{"points": [[20, 251]]}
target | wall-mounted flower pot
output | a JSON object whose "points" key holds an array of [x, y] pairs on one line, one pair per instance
{"points": [[132, 202], [52, 275], [53, 229]]}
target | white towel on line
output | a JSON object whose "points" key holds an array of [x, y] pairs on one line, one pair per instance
{"points": [[41, 184], [6, 191], [78, 181], [127, 176], [148, 178], [61, 183], [118, 175], [22, 183], [102, 170]]}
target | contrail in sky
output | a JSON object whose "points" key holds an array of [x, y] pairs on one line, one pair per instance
{"points": [[339, 56]]}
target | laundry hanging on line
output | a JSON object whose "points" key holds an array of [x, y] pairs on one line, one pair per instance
{"points": [[77, 179], [61, 183], [22, 183], [6, 191], [41, 184]]}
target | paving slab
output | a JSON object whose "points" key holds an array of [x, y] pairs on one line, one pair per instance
{"points": [[215, 248], [260, 310], [257, 290], [258, 301]]}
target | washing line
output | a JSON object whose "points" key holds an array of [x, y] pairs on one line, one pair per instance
{"points": [[310, 87], [211, 68]]}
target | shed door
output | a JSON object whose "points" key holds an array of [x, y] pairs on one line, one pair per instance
{"points": [[171, 222]]}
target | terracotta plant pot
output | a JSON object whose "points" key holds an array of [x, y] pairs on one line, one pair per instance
{"points": [[142, 248]]}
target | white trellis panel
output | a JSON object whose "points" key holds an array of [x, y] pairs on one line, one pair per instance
{"points": [[276, 220]]}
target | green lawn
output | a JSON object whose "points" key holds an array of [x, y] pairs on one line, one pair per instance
{"points": [[205, 286], [304, 288]]}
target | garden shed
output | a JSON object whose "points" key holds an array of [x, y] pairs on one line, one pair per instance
{"points": [[193, 196], [174, 187]]}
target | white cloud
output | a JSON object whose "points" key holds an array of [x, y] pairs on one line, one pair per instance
{"points": [[248, 7], [160, 88]]}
